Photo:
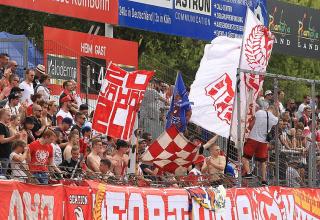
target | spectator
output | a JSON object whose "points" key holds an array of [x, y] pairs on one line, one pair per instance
{"points": [[68, 165], [14, 125], [17, 158], [63, 128], [52, 111], [27, 87], [5, 140], [195, 176], [13, 65], [73, 141], [266, 101], [306, 116], [291, 108], [64, 111], [57, 153], [68, 89], [84, 141], [105, 168], [121, 158], [80, 119], [26, 132], [84, 109], [257, 144], [306, 103], [13, 82], [4, 59], [13, 104], [93, 159], [40, 156], [36, 99], [281, 98], [283, 132], [214, 164], [293, 176], [4, 82], [42, 87], [77, 100], [39, 71], [40, 125], [148, 137]]}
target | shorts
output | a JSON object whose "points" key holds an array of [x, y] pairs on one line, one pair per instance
{"points": [[255, 148]]}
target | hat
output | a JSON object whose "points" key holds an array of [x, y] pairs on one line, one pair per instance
{"points": [[268, 92], [66, 99], [13, 95], [67, 120], [199, 159], [121, 143], [16, 89], [41, 69]]}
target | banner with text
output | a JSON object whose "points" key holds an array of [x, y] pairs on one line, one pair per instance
{"points": [[202, 19], [297, 35], [83, 58], [104, 11]]}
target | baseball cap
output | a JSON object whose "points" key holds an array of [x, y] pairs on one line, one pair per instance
{"points": [[268, 92], [67, 98], [16, 89], [13, 95]]}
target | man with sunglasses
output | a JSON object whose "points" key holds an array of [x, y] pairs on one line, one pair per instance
{"points": [[27, 86], [80, 119], [40, 125]]}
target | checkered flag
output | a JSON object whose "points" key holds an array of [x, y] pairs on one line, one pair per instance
{"points": [[171, 152]]}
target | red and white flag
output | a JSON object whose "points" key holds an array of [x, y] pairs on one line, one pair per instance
{"points": [[213, 89], [171, 152], [256, 50], [119, 101]]}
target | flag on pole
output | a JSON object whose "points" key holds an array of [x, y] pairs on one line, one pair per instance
{"points": [[256, 50], [213, 89], [119, 101], [171, 152], [180, 106]]}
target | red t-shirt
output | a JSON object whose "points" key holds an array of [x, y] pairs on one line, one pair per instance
{"points": [[83, 146], [29, 110], [40, 155]]}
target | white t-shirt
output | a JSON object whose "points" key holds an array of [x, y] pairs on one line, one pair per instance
{"points": [[28, 91], [57, 154], [16, 171], [44, 91], [281, 108], [301, 109], [259, 130], [62, 114]]}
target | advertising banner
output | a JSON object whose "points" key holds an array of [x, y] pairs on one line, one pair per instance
{"points": [[104, 11], [84, 57], [202, 19], [297, 35]]}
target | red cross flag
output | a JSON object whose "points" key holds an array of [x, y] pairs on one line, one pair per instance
{"points": [[171, 152], [119, 100]]}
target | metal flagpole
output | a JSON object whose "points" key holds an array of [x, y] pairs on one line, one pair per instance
{"points": [[312, 153], [277, 150], [239, 137]]}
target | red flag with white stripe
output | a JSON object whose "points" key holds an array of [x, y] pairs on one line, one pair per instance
{"points": [[171, 152], [119, 100]]}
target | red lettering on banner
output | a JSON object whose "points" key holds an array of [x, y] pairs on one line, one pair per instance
{"points": [[221, 91]]}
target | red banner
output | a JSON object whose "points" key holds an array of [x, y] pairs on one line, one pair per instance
{"points": [[104, 11], [84, 58], [19, 201], [119, 100]]}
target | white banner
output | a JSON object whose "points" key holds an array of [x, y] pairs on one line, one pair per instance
{"points": [[213, 89], [257, 47]]}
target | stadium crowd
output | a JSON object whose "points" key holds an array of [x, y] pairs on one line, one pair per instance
{"points": [[44, 138]]}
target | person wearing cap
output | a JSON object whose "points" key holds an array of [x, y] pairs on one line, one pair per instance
{"points": [[42, 87], [39, 71], [13, 104], [68, 90], [27, 86], [195, 175], [64, 111], [121, 159], [268, 96]]}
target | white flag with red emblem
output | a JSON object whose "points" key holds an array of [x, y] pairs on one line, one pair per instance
{"points": [[256, 50], [119, 100], [213, 89], [171, 152]]}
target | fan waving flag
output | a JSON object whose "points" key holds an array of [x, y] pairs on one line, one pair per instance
{"points": [[171, 152], [180, 109], [119, 100], [256, 50]]}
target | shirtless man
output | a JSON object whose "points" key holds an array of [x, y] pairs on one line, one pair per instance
{"points": [[120, 158], [93, 159], [214, 164]]}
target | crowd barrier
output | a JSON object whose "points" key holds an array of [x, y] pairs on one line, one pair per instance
{"points": [[93, 200]]}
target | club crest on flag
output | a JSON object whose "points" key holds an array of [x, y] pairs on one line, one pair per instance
{"points": [[222, 93]]}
